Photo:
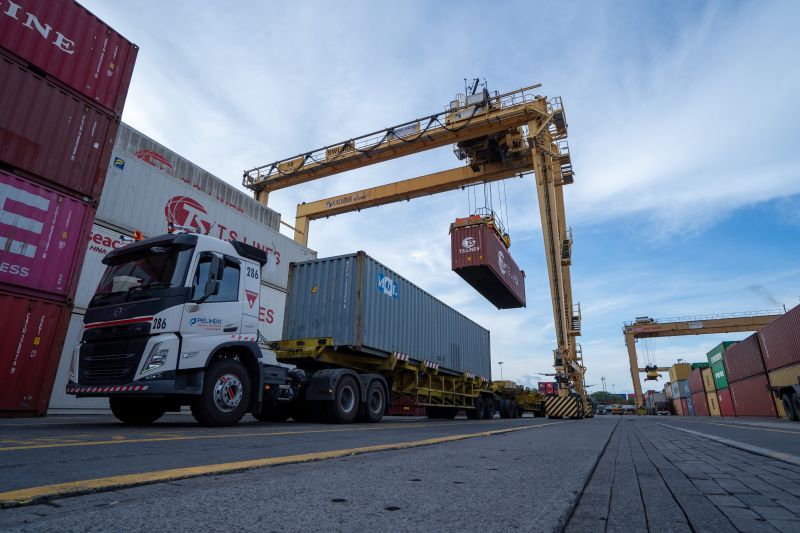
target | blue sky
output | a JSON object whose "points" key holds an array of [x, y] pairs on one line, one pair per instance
{"points": [[683, 130]]}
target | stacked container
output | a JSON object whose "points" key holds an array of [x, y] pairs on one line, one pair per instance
{"points": [[65, 76], [697, 387], [710, 391], [147, 186], [548, 387], [719, 374], [780, 345], [747, 378]]}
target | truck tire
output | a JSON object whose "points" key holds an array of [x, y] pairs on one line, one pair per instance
{"points": [[514, 409], [226, 394], [375, 402], [477, 413], [344, 406], [796, 405], [272, 412], [788, 406], [489, 407], [504, 408], [137, 411]]}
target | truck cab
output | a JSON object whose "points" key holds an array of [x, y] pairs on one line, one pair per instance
{"points": [[174, 321]]}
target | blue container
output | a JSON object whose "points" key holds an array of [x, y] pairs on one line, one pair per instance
{"points": [[691, 405], [367, 307], [680, 389]]}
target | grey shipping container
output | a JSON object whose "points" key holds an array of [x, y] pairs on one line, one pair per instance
{"points": [[365, 306]]}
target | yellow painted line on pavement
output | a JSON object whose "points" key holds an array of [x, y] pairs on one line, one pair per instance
{"points": [[33, 494], [755, 428]]}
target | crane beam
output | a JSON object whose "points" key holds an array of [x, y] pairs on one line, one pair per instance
{"points": [[437, 182], [676, 328]]}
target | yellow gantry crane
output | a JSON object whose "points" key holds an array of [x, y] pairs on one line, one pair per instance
{"points": [[646, 327], [500, 136]]}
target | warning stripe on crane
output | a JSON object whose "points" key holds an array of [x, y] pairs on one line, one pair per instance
{"points": [[561, 406]]}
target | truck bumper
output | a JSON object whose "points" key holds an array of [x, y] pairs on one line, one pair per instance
{"points": [[169, 384]]}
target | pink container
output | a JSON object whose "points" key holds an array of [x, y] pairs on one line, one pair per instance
{"points": [[725, 403], [41, 237], [700, 403], [780, 341], [752, 397], [743, 359], [67, 42], [49, 132]]}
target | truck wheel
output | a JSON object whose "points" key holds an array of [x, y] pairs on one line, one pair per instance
{"points": [[788, 406], [796, 405], [477, 413], [375, 404], [450, 414], [514, 409], [137, 411], [226, 394], [489, 407], [272, 412], [343, 408], [503, 407]]}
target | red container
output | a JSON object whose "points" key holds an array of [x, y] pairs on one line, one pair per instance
{"points": [[548, 387], [752, 397], [685, 407], [725, 403], [67, 42], [482, 259], [677, 407], [30, 348], [696, 381], [743, 359], [700, 402], [48, 132], [780, 341], [42, 236]]}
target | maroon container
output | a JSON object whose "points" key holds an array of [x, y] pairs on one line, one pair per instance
{"points": [[481, 258], [743, 359], [696, 381], [680, 406], [725, 403], [47, 131], [42, 237], [700, 403], [30, 348], [752, 397], [67, 42], [780, 341]]}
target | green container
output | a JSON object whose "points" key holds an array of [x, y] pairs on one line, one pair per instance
{"points": [[720, 378], [699, 365]]}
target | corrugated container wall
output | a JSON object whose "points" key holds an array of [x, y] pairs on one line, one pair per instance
{"points": [[689, 406], [52, 134], [668, 390], [720, 376], [41, 235], [780, 341], [744, 359], [752, 397], [677, 407], [713, 404], [167, 161], [725, 402], [708, 380], [785, 377], [679, 372], [69, 43], [365, 306], [696, 381], [700, 403], [29, 348], [483, 261], [715, 354], [680, 389]]}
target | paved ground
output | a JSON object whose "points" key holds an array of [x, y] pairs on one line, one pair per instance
{"points": [[653, 477], [607, 474]]}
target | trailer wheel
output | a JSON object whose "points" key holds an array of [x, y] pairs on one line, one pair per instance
{"points": [[788, 406], [137, 411], [375, 404], [272, 412], [226, 394], [477, 413], [343, 408], [489, 407]]}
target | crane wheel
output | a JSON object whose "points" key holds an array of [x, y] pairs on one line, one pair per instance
{"points": [[504, 408], [489, 407], [515, 410]]}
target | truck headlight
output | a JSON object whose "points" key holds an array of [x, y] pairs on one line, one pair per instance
{"points": [[157, 358]]}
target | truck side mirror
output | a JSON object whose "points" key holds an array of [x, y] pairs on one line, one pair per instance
{"points": [[215, 271]]}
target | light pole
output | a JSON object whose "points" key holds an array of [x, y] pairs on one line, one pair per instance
{"points": [[501, 369]]}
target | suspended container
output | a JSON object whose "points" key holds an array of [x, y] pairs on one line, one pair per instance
{"points": [[481, 258]]}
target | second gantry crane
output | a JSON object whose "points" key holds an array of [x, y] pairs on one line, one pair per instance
{"points": [[499, 136]]}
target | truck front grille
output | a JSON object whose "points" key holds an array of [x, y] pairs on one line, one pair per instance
{"points": [[110, 362]]}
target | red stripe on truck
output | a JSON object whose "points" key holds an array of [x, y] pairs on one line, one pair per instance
{"points": [[120, 322]]}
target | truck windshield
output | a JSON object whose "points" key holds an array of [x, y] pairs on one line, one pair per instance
{"points": [[158, 267]]}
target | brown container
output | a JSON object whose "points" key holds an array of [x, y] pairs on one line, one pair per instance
{"points": [[713, 404], [725, 403], [50, 133], [700, 403], [42, 238], [677, 408], [752, 397], [30, 347], [708, 380], [67, 42], [743, 359], [668, 390], [679, 372], [696, 381], [481, 258], [780, 341]]}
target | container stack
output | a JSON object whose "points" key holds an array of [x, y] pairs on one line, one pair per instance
{"points": [[747, 379], [548, 387], [720, 377], [710, 391], [65, 77], [681, 393], [780, 346], [697, 388]]}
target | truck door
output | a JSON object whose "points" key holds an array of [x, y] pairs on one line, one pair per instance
{"points": [[251, 274], [218, 319]]}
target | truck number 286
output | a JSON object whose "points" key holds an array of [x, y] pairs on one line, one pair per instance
{"points": [[159, 323], [252, 272]]}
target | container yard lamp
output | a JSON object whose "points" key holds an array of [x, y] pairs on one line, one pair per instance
{"points": [[501, 369]]}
